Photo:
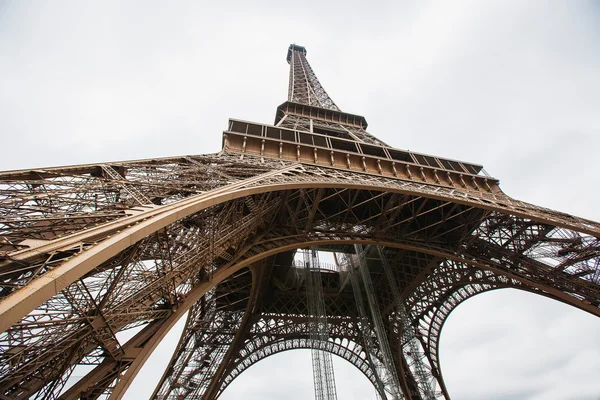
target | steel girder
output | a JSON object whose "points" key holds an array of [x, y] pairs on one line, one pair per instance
{"points": [[89, 251], [145, 280]]}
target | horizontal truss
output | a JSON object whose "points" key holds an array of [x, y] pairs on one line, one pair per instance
{"points": [[89, 251]]}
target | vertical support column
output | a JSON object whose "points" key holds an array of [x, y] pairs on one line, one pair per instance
{"points": [[415, 354], [392, 381], [324, 378], [364, 324]]}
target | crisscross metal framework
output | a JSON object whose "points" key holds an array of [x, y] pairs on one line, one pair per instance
{"points": [[89, 251]]}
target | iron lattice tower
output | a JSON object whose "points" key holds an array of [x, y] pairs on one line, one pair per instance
{"points": [[89, 251]]}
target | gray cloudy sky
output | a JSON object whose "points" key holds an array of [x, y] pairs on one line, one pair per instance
{"points": [[512, 85]]}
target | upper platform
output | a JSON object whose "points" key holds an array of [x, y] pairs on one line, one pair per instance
{"points": [[322, 114]]}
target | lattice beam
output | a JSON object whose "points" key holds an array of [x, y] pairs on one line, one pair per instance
{"points": [[89, 251]]}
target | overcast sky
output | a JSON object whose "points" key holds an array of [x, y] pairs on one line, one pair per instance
{"points": [[512, 85]]}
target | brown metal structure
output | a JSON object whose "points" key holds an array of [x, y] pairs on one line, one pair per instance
{"points": [[88, 251]]}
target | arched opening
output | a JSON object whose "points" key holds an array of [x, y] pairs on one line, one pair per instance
{"points": [[289, 375], [343, 234], [518, 345]]}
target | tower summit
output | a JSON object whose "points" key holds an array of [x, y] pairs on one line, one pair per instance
{"points": [[310, 128], [305, 88], [89, 251]]}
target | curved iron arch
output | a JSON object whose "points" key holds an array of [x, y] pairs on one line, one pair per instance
{"points": [[293, 177], [175, 214], [333, 241], [356, 358]]}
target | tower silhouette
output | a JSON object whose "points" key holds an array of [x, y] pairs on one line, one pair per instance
{"points": [[89, 251]]}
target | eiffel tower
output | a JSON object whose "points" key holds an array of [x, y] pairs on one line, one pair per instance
{"points": [[233, 239]]}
